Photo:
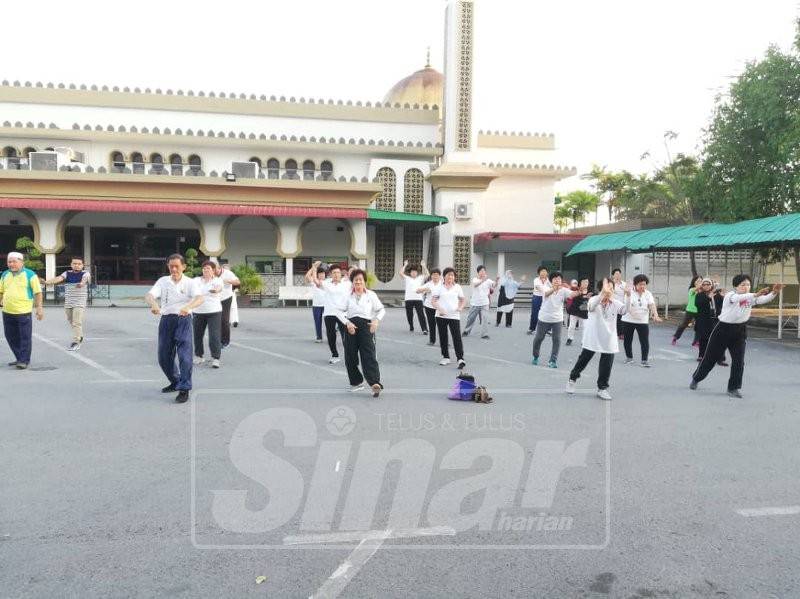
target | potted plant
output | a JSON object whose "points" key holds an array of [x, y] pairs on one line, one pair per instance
{"points": [[250, 282], [33, 257]]}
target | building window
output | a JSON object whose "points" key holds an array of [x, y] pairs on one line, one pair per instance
{"points": [[176, 164], [291, 169], [308, 170], [11, 158], [27, 151], [412, 244], [462, 257], [412, 191], [273, 168], [195, 165], [117, 162], [156, 163], [257, 160], [137, 163], [326, 170], [386, 199], [384, 253]]}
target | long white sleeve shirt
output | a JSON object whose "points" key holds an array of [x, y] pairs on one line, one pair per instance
{"points": [[736, 307], [367, 306], [600, 334]]}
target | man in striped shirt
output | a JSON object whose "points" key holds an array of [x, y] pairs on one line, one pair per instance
{"points": [[76, 294]]}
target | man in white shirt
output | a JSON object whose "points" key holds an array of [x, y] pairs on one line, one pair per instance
{"points": [[731, 332], [641, 307], [178, 296], [229, 280], [551, 318], [337, 292], [540, 285], [482, 286]]}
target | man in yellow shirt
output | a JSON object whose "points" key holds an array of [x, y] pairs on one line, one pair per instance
{"points": [[19, 289]]}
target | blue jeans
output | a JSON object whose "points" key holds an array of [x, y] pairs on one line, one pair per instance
{"points": [[19, 329], [175, 341], [317, 310], [536, 304]]}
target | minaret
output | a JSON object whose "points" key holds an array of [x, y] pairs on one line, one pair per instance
{"points": [[459, 133]]}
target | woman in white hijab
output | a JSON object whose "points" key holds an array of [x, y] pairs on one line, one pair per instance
{"points": [[505, 301]]}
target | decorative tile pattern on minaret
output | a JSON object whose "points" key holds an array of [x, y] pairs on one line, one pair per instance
{"points": [[465, 34]]}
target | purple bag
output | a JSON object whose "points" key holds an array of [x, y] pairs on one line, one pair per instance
{"points": [[463, 390]]}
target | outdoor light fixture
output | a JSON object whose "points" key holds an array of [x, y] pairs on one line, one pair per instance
{"points": [[230, 177]]}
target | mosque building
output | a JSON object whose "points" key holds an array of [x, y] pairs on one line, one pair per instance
{"points": [[125, 177]]}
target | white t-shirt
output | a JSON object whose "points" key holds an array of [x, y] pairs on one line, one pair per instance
{"points": [[552, 309], [736, 307], [480, 292], [434, 290], [227, 276], [600, 332], [639, 308], [539, 286], [336, 296], [448, 301], [619, 291], [213, 300], [173, 296], [412, 284], [317, 296]]}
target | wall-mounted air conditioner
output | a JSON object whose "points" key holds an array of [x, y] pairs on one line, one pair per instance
{"points": [[463, 210]]}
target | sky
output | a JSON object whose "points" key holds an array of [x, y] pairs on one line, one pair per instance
{"points": [[608, 78]]}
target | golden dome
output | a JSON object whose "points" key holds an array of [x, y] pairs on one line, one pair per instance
{"points": [[426, 86]]}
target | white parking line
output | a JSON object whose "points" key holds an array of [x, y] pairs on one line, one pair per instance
{"points": [[285, 357], [107, 371], [787, 510], [485, 357]]}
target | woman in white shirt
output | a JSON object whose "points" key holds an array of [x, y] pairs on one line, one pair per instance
{"points": [[599, 336], [448, 304], [641, 307], [413, 300], [551, 318], [540, 285], [428, 290], [361, 318], [337, 290], [208, 314], [318, 303]]}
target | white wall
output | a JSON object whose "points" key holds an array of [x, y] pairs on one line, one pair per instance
{"points": [[517, 205], [134, 221], [320, 238], [250, 236]]}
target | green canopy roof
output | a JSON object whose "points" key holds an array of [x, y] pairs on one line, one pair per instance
{"points": [[431, 220], [760, 232]]}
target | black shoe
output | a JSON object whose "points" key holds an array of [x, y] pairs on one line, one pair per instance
{"points": [[569, 341], [693, 385], [225, 344], [182, 397], [169, 388], [735, 393], [461, 364], [14, 363], [722, 363], [22, 365], [464, 333]]}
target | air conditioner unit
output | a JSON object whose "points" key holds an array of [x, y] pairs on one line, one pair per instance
{"points": [[245, 170], [44, 161], [463, 210]]}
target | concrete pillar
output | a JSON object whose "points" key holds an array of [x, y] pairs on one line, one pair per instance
{"points": [[289, 272], [399, 258], [358, 238], [362, 264], [87, 245], [49, 273], [213, 233], [501, 264], [289, 235]]}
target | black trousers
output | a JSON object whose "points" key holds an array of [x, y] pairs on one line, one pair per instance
{"points": [[361, 345], [603, 373], [704, 325], [509, 317], [213, 322], [688, 317], [430, 315], [226, 321], [331, 324], [455, 332], [643, 330], [732, 337], [415, 305]]}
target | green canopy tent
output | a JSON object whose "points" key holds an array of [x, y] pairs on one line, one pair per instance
{"points": [[774, 231]]}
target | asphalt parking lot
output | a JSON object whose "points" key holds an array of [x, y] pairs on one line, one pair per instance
{"points": [[276, 481]]}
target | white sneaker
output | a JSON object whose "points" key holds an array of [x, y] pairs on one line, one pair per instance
{"points": [[317, 340], [571, 386], [215, 363], [197, 360], [604, 394], [646, 364], [629, 360], [461, 364], [444, 361], [334, 360], [354, 388]]}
